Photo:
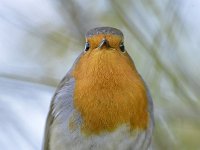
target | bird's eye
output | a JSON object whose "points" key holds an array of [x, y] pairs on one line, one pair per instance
{"points": [[122, 47], [87, 46]]}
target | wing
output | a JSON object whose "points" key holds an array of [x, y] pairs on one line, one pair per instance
{"points": [[59, 97], [149, 132], [61, 101]]}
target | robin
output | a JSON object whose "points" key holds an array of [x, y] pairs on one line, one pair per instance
{"points": [[102, 103]]}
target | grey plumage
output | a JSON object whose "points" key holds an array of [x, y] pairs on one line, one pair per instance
{"points": [[103, 30], [63, 95]]}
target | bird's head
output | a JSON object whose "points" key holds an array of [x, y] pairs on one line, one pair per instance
{"points": [[105, 38], [104, 53]]}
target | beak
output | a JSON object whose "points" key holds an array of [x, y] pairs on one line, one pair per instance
{"points": [[103, 43]]}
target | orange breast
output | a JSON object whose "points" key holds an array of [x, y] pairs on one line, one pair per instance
{"points": [[109, 92]]}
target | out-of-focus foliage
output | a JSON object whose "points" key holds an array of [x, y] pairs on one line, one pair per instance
{"points": [[156, 36]]}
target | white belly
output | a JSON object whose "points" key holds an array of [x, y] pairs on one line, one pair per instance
{"points": [[121, 139]]}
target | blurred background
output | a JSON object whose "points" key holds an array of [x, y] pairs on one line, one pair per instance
{"points": [[40, 39]]}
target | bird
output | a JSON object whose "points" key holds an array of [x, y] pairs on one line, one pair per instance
{"points": [[102, 103]]}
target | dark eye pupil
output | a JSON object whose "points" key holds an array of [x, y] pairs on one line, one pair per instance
{"points": [[122, 47], [87, 46]]}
